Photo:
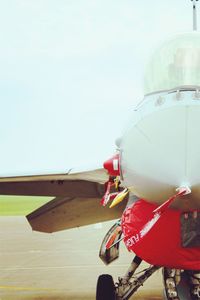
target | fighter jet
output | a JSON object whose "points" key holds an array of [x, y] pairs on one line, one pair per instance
{"points": [[151, 185]]}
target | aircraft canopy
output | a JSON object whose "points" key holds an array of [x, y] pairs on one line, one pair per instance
{"points": [[175, 64]]}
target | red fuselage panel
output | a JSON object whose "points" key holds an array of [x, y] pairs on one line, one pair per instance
{"points": [[161, 245]]}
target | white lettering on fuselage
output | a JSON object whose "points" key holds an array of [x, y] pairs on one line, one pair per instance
{"points": [[136, 238], [133, 240]]}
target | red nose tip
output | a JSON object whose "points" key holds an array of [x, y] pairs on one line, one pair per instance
{"points": [[112, 165]]}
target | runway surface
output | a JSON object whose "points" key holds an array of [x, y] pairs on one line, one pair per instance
{"points": [[59, 266]]}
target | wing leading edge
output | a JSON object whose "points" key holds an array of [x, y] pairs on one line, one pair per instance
{"points": [[84, 184]]}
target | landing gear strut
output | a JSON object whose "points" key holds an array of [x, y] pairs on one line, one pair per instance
{"points": [[127, 285], [122, 291], [178, 285]]}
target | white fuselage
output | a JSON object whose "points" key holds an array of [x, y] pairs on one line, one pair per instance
{"points": [[160, 151]]}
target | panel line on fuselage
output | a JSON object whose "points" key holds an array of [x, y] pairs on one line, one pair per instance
{"points": [[143, 133]]}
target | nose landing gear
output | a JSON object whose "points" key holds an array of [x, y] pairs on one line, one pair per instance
{"points": [[107, 290]]}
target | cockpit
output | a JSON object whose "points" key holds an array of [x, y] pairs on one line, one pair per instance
{"points": [[175, 64]]}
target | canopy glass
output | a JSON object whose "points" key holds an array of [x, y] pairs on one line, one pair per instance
{"points": [[175, 64]]}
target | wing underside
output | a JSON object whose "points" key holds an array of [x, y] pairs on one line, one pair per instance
{"points": [[76, 202], [64, 213]]}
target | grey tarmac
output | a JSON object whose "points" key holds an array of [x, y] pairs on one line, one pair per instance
{"points": [[59, 266]]}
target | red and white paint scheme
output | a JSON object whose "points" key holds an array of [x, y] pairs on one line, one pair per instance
{"points": [[157, 165], [159, 151], [159, 155], [112, 165]]}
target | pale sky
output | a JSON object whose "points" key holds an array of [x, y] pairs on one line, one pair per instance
{"points": [[71, 71]]}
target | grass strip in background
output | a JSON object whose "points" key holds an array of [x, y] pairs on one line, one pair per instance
{"points": [[20, 205]]}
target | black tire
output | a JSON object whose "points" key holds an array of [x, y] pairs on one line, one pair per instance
{"points": [[105, 288]]}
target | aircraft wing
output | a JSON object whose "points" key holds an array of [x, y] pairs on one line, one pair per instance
{"points": [[76, 202]]}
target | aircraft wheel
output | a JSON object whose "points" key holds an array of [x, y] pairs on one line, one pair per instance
{"points": [[105, 288]]}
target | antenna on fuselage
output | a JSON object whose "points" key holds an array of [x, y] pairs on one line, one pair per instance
{"points": [[194, 14]]}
